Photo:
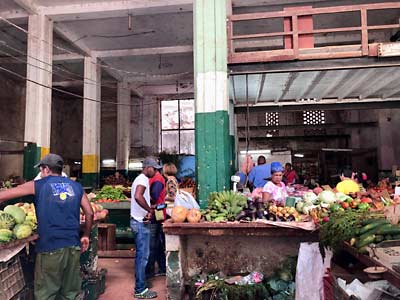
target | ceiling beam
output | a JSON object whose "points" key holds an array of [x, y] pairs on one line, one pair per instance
{"points": [[30, 6], [313, 85], [167, 89], [386, 78], [113, 9], [337, 81], [358, 78], [289, 81], [314, 80], [325, 104], [65, 33], [13, 14], [143, 51], [67, 57], [314, 65], [260, 88]]}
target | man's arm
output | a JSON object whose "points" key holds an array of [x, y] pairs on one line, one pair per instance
{"points": [[88, 211], [155, 191], [19, 191], [142, 202]]}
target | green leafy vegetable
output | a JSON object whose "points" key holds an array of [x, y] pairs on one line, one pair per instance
{"points": [[109, 192]]}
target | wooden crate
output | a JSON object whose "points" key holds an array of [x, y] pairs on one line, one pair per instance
{"points": [[107, 236]]}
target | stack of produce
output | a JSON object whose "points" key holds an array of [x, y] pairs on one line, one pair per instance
{"points": [[99, 212], [278, 213], [181, 214], [374, 231], [224, 206], [354, 226], [17, 222], [110, 194]]}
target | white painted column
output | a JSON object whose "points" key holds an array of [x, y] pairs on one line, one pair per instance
{"points": [[91, 121], [123, 126], [39, 83]]}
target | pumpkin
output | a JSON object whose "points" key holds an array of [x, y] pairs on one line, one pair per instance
{"points": [[194, 216], [178, 214]]}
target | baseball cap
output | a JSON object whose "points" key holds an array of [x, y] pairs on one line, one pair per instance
{"points": [[51, 160], [276, 167], [151, 162]]}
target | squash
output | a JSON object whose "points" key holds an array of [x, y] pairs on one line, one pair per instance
{"points": [[194, 216], [178, 214]]}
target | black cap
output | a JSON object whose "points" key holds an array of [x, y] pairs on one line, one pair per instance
{"points": [[51, 160]]}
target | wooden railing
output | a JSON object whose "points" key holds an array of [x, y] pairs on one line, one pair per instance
{"points": [[293, 49]]}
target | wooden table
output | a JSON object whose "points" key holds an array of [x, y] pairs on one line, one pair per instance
{"points": [[390, 275]]}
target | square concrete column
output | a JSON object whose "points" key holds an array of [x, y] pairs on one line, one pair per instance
{"points": [[91, 122], [214, 142], [38, 91], [123, 127]]}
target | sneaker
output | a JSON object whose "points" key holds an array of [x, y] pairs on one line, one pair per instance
{"points": [[146, 294], [159, 274]]}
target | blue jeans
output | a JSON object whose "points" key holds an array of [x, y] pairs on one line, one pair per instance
{"points": [[141, 234]]}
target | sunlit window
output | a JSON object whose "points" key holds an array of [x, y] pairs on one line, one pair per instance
{"points": [[177, 126]]}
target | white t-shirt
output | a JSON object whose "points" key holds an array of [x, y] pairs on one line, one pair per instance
{"points": [[278, 193], [137, 212]]}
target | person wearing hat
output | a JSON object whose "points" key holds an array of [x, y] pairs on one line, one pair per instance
{"points": [[141, 215], [57, 202], [275, 190]]}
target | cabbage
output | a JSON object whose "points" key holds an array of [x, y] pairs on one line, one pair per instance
{"points": [[327, 197], [309, 197]]}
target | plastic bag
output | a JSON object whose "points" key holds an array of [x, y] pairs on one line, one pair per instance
{"points": [[186, 200], [309, 273]]}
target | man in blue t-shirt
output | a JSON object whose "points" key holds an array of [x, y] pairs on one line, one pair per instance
{"points": [[259, 173], [57, 202]]}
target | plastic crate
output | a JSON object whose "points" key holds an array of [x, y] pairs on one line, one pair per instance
{"points": [[94, 286], [11, 278]]}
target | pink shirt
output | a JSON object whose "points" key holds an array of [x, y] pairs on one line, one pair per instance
{"points": [[278, 193]]}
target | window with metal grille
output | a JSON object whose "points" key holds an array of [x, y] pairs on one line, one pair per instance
{"points": [[177, 126], [272, 119], [313, 117]]}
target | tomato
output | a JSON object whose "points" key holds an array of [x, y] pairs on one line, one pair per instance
{"points": [[366, 200], [345, 205]]}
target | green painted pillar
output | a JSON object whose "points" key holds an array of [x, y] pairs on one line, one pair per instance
{"points": [[212, 136], [32, 155]]}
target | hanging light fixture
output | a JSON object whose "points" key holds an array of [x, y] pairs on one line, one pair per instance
{"points": [[129, 21]]}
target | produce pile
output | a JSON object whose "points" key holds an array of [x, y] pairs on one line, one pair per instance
{"points": [[17, 222], [320, 206], [99, 212], [181, 214], [225, 206], [254, 286], [109, 194], [359, 228]]}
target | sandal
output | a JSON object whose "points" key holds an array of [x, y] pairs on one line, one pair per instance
{"points": [[146, 294]]}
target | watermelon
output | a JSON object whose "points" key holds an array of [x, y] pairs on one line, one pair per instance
{"points": [[22, 231], [6, 235], [17, 212], [7, 221]]}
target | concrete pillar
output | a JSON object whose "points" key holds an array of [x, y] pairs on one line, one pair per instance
{"points": [[123, 127], [38, 92], [91, 122], [174, 280], [212, 136]]}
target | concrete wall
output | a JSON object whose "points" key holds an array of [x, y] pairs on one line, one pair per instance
{"points": [[145, 124], [12, 120], [389, 138]]}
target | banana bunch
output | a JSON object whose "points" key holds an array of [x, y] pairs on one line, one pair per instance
{"points": [[278, 213], [224, 206]]}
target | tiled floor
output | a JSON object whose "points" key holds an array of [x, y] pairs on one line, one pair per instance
{"points": [[120, 280]]}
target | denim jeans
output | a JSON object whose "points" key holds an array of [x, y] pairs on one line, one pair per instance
{"points": [[141, 233], [157, 250]]}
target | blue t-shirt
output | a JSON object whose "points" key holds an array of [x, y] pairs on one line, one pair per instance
{"points": [[258, 174], [57, 203]]}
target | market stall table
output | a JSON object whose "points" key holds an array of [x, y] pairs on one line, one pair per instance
{"points": [[390, 275], [231, 247]]}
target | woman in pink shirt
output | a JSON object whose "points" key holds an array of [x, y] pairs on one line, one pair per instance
{"points": [[275, 190]]}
